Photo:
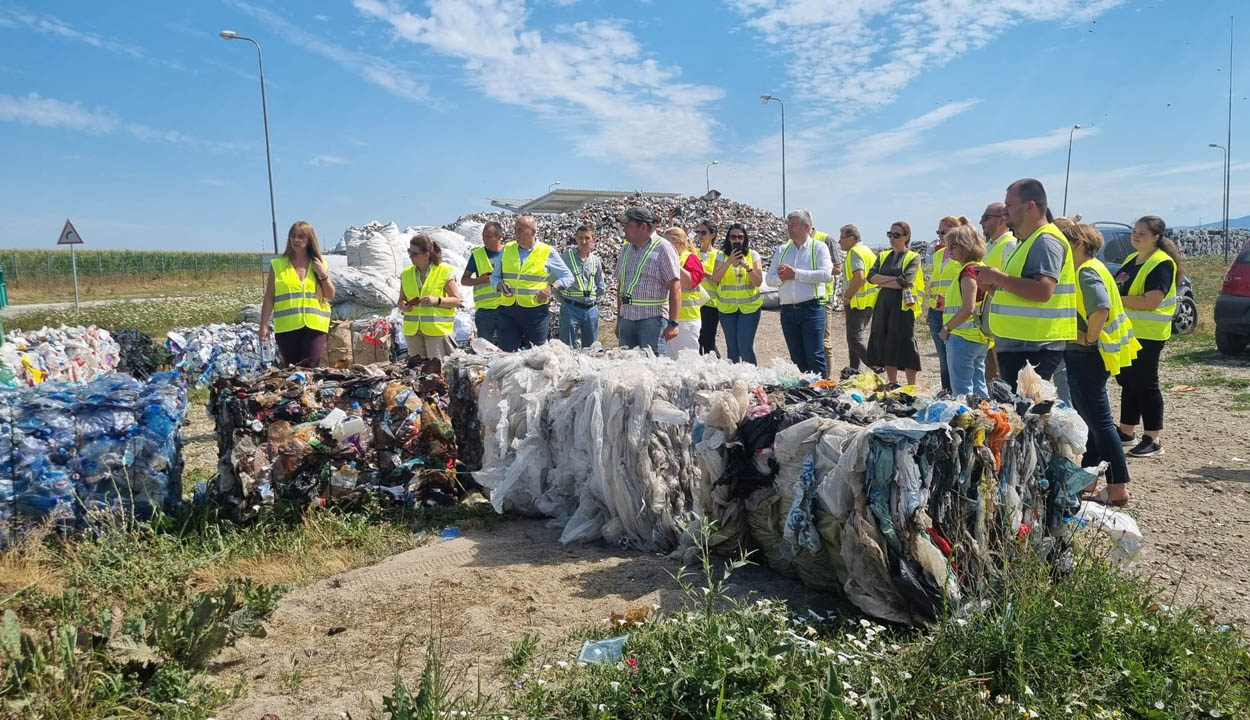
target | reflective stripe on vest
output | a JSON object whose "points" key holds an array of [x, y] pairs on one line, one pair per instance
{"points": [[691, 300], [433, 320], [1152, 324], [917, 287], [866, 296], [941, 278], [526, 279], [711, 288], [295, 303], [1011, 316], [969, 329], [1116, 343], [628, 294], [997, 255], [737, 292], [823, 237], [485, 297], [823, 289], [587, 290]]}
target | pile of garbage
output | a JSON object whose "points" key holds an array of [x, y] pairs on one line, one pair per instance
{"points": [[71, 353], [301, 436], [208, 353], [1207, 241], [71, 453], [141, 356]]}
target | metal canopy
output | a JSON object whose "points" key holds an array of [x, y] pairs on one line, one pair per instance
{"points": [[560, 201]]}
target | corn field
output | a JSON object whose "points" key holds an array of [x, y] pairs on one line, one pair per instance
{"points": [[42, 266]]}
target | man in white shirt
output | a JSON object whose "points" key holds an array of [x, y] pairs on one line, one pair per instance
{"points": [[1000, 243], [799, 269]]}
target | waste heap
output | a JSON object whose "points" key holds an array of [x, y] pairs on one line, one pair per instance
{"points": [[211, 352], [72, 353], [141, 356], [71, 452], [465, 375], [300, 436]]}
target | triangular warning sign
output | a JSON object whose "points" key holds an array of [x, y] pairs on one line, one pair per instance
{"points": [[69, 236]]}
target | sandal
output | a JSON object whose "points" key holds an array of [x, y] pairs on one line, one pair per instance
{"points": [[1101, 497]]}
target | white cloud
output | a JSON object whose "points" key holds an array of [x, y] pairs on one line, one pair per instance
{"points": [[859, 54], [328, 160], [592, 79], [321, 18], [376, 70], [38, 111], [49, 25]]}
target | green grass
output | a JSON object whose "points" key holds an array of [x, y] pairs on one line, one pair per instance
{"points": [[23, 267], [210, 305], [1240, 402]]}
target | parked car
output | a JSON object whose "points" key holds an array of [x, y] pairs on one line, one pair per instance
{"points": [[1232, 307], [1118, 243]]}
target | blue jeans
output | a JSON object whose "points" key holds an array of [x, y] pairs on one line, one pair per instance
{"points": [[804, 331], [522, 327], [1060, 379], [1087, 381], [487, 322], [740, 330], [643, 333], [966, 361], [579, 325], [935, 327]]}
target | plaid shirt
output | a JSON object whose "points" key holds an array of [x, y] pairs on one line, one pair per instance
{"points": [[661, 269]]}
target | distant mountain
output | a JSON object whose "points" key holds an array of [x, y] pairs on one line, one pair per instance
{"points": [[1241, 222]]}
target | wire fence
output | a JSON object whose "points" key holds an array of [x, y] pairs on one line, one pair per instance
{"points": [[41, 266]]}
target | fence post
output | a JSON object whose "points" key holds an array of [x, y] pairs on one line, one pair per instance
{"points": [[99, 263]]}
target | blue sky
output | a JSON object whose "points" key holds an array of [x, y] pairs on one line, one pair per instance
{"points": [[135, 120]]}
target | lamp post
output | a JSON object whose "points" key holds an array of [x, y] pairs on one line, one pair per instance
{"points": [[557, 182], [764, 99], [264, 109], [707, 174], [1215, 145], [1069, 170]]}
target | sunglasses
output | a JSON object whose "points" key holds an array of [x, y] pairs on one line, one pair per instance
{"points": [[987, 216], [942, 233], [895, 235], [700, 232], [418, 252], [737, 237]]}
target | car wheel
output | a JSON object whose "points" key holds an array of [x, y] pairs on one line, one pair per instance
{"points": [[1185, 319], [1228, 343]]}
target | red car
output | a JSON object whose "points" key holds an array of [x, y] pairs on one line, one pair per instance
{"points": [[1232, 308]]}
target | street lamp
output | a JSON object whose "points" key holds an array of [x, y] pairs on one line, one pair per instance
{"points": [[557, 182], [707, 174], [273, 215], [764, 101], [1069, 170], [1225, 183]]}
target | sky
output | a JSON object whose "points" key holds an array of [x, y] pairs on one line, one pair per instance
{"points": [[136, 121]]}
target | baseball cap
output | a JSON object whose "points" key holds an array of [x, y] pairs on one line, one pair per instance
{"points": [[640, 214]]}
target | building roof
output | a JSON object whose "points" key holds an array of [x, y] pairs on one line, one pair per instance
{"points": [[560, 201]]}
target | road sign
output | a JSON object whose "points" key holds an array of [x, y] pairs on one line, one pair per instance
{"points": [[69, 236]]}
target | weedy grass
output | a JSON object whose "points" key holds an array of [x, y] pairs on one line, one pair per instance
{"points": [[155, 317]]}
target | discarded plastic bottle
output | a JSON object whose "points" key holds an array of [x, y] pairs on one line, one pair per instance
{"points": [[344, 480]]}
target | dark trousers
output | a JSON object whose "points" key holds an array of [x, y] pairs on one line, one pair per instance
{"points": [[935, 329], [1141, 401], [303, 347], [858, 325], [1087, 382], [1044, 361], [710, 319], [522, 327], [803, 326], [487, 323]]}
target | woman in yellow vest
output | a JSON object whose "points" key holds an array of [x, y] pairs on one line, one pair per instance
{"points": [[960, 332], [1147, 282], [298, 292], [428, 298], [1104, 345], [738, 275], [693, 296], [940, 278], [900, 282], [709, 314]]}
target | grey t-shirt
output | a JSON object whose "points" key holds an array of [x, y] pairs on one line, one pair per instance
{"points": [[1094, 297], [1045, 259]]}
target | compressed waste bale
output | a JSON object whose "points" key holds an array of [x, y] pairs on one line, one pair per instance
{"points": [[70, 453], [210, 352], [141, 357], [71, 353], [465, 374], [300, 436]]}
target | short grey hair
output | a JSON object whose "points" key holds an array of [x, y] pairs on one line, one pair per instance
{"points": [[849, 230], [801, 215]]}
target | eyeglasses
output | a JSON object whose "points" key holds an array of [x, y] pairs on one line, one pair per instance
{"points": [[942, 233], [894, 235], [700, 232], [737, 237], [987, 216], [418, 252]]}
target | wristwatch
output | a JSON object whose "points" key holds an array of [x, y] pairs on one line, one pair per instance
{"points": [[672, 323]]}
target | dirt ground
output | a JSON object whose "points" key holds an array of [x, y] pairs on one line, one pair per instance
{"points": [[486, 589]]}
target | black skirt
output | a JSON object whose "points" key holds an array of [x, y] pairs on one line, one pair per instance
{"points": [[893, 339]]}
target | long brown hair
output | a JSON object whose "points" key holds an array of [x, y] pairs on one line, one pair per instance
{"points": [[1158, 227], [304, 229]]}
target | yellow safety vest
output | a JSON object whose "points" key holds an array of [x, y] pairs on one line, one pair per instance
{"points": [[526, 280], [1011, 316], [1116, 343], [737, 294], [1152, 324], [866, 296], [691, 300], [969, 329], [997, 256], [941, 278], [823, 237], [295, 303], [485, 297], [587, 289], [628, 285], [917, 307], [435, 320], [712, 289]]}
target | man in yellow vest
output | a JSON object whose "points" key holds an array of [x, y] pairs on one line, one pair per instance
{"points": [[579, 302], [526, 274], [859, 296], [648, 277], [1033, 309], [477, 276], [800, 270], [1000, 244]]}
